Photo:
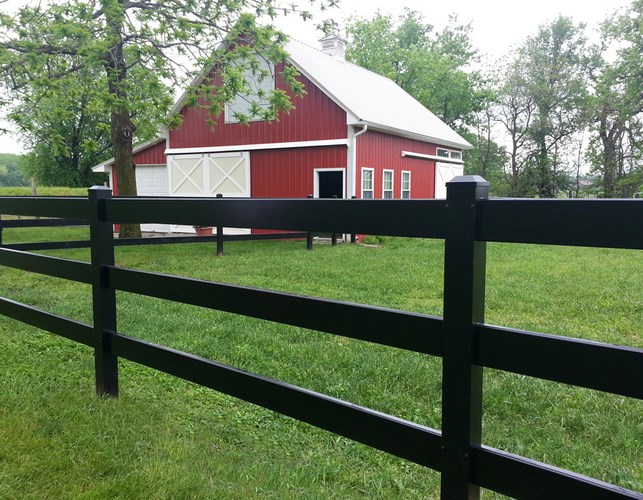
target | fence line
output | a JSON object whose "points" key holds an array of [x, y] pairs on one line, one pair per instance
{"points": [[467, 220]]}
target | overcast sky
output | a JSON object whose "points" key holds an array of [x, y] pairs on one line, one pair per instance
{"points": [[497, 24]]}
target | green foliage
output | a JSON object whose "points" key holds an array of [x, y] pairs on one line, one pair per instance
{"points": [[117, 59], [43, 191], [541, 107], [11, 173], [557, 81], [616, 105], [165, 438], [487, 157], [431, 66]]}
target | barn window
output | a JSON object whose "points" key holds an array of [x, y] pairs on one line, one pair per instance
{"points": [[367, 183], [261, 82], [387, 185], [449, 153], [406, 184]]}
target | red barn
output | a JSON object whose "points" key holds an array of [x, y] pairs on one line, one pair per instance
{"points": [[354, 133]]}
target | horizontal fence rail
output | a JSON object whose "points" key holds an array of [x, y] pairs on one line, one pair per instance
{"points": [[414, 218], [593, 365], [402, 438], [415, 332], [467, 220], [43, 223], [587, 223]]}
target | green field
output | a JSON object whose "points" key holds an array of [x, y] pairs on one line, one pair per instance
{"points": [[43, 191], [165, 438]]}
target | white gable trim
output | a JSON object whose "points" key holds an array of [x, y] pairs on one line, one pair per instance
{"points": [[441, 159], [255, 147]]}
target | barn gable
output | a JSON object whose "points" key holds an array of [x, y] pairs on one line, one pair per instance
{"points": [[329, 123]]}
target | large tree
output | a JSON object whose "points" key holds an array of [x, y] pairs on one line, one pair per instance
{"points": [[556, 64], [616, 146], [114, 38], [542, 107], [67, 128], [430, 65], [514, 111]]}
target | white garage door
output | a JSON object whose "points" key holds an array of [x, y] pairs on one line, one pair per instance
{"points": [[208, 175], [444, 172], [151, 180]]}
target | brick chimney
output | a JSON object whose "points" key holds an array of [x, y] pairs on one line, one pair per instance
{"points": [[334, 46]]}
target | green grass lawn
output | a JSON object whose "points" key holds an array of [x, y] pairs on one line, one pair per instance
{"points": [[165, 438]]}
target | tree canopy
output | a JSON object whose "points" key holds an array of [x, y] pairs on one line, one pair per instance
{"points": [[123, 45], [616, 104], [10, 172], [88, 79], [430, 65]]}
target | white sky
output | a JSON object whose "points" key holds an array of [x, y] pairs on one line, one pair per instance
{"points": [[497, 24]]}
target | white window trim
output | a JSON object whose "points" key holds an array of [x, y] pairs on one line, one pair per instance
{"points": [[430, 157], [384, 190], [450, 154], [372, 190], [402, 190]]}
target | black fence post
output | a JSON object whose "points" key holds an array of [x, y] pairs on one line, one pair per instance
{"points": [[353, 236], [219, 234], [101, 235], [0, 230], [333, 236], [309, 235], [464, 289]]}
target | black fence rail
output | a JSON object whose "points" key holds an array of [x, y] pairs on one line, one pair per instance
{"points": [[466, 221], [219, 238]]}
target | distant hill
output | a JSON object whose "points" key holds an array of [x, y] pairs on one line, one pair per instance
{"points": [[10, 172]]}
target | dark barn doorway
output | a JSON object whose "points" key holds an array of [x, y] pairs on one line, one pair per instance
{"points": [[331, 184]]}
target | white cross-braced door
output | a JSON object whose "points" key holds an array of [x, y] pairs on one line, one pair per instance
{"points": [[208, 175], [444, 172]]}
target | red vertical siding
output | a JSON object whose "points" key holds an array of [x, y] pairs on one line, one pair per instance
{"points": [[152, 155], [315, 117], [382, 151], [289, 173]]}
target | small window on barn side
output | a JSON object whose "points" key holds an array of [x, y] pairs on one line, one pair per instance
{"points": [[260, 82], [387, 185], [449, 153], [406, 185], [367, 183]]}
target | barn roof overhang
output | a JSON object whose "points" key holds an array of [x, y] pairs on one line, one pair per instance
{"points": [[104, 167]]}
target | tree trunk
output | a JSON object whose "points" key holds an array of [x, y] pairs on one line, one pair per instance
{"points": [[121, 127]]}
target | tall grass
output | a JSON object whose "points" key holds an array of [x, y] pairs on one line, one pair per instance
{"points": [[165, 438]]}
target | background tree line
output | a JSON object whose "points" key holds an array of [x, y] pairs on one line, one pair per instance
{"points": [[553, 109], [86, 81]]}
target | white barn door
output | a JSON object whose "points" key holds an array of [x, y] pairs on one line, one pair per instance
{"points": [[208, 175], [444, 172]]}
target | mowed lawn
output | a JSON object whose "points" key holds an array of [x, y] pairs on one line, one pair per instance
{"points": [[166, 438]]}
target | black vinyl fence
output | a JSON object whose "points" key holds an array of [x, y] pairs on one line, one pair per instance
{"points": [[219, 238], [466, 221]]}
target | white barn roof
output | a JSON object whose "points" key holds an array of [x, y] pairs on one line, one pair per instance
{"points": [[371, 99]]}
